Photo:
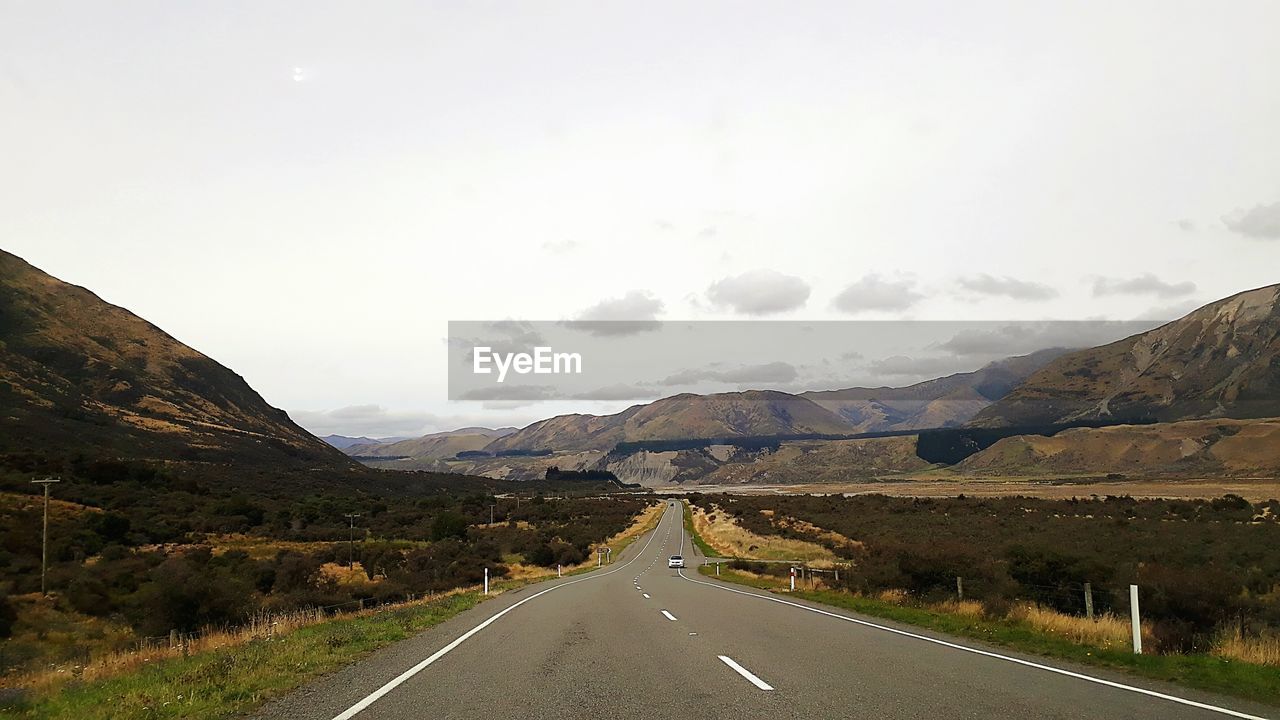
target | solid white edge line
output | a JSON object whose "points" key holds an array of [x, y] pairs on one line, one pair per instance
{"points": [[987, 653], [750, 676], [376, 695], [669, 615]]}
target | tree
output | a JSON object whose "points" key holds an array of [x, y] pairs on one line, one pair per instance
{"points": [[447, 525]]}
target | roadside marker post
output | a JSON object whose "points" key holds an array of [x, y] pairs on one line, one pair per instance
{"points": [[793, 579], [558, 573], [486, 581], [1137, 622]]}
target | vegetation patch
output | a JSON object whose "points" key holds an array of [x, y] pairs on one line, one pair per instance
{"points": [[234, 679]]}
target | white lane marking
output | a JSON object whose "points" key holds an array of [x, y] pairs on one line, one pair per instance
{"points": [[669, 615], [395, 682], [750, 676], [987, 653], [646, 596]]}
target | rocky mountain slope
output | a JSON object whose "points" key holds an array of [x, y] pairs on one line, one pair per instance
{"points": [[943, 402], [80, 376], [754, 412], [1220, 361]]}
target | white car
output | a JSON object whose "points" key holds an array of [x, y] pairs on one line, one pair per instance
{"points": [[675, 562]]}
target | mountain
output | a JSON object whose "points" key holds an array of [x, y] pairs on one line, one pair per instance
{"points": [[80, 376], [754, 412], [436, 446], [1220, 361], [343, 442], [943, 402]]}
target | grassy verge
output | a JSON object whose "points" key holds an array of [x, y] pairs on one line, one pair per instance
{"points": [[232, 680], [1204, 672], [698, 542]]}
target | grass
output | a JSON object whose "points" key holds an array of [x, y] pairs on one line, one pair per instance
{"points": [[234, 679], [718, 534], [1037, 633], [698, 542]]}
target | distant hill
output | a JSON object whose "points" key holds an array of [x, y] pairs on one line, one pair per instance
{"points": [[80, 376], [754, 412], [1220, 361], [342, 441], [436, 446], [944, 402], [1191, 448]]}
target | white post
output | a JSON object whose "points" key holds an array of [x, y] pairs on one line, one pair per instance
{"points": [[486, 581], [793, 579], [1137, 622], [717, 569], [558, 574]]}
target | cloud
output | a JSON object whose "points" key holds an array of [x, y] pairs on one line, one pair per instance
{"points": [[618, 391], [1165, 313], [630, 314], [759, 292], [872, 293], [511, 393], [774, 372], [903, 366], [503, 336], [1185, 225], [708, 232], [1010, 287], [1145, 284], [559, 247], [1262, 222]]}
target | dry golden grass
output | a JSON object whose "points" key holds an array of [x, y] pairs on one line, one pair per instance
{"points": [[261, 627], [963, 608], [1264, 650], [730, 539], [1104, 631]]}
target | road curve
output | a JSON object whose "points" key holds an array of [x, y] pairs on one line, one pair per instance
{"points": [[638, 640]]}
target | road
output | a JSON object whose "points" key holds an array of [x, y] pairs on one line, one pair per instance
{"points": [[637, 640]]}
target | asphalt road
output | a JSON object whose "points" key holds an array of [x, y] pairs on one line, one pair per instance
{"points": [[638, 640]]}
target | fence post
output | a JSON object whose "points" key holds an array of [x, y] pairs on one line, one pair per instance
{"points": [[173, 639], [486, 581], [1137, 621], [837, 576], [1088, 600], [959, 588]]}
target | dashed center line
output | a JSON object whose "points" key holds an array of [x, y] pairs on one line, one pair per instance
{"points": [[669, 615], [751, 678], [646, 596]]}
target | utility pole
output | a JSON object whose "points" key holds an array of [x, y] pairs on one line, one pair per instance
{"points": [[44, 536], [351, 540]]}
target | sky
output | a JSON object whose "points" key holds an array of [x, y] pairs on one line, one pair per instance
{"points": [[309, 192]]}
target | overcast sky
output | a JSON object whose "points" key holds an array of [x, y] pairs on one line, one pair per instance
{"points": [[308, 192]]}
